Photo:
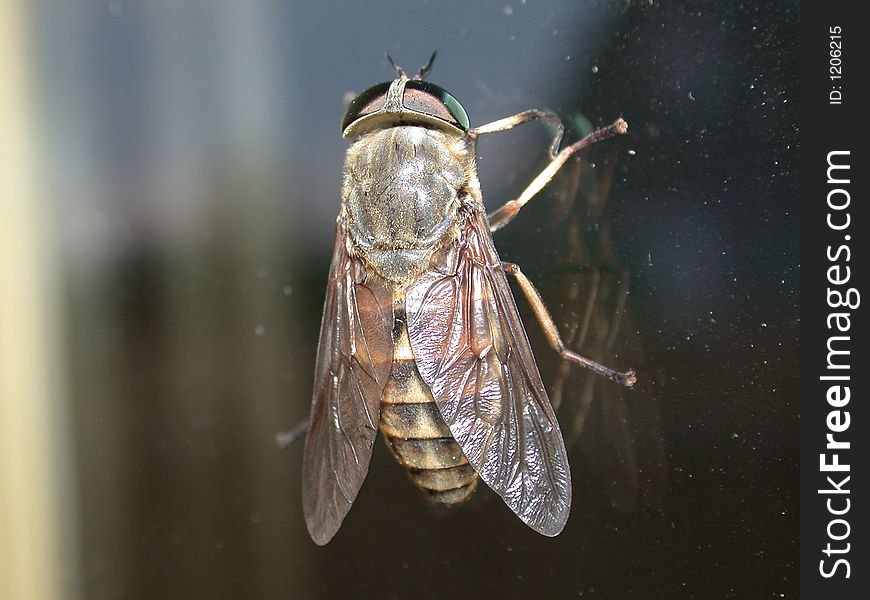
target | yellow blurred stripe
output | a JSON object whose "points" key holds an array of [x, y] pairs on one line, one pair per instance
{"points": [[31, 475]]}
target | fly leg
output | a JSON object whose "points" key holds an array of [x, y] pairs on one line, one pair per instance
{"points": [[525, 117], [552, 333], [285, 438], [503, 215]]}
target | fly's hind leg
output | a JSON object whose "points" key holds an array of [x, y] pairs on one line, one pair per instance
{"points": [[286, 438], [552, 333], [505, 214]]}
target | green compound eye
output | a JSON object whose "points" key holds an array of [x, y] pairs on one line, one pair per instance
{"points": [[370, 101], [433, 100], [422, 103]]}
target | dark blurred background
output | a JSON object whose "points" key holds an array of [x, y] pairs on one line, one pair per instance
{"points": [[189, 163]]}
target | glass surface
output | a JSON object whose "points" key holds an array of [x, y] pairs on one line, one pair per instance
{"points": [[193, 159]]}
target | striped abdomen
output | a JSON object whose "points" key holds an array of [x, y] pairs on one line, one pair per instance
{"points": [[417, 435]]}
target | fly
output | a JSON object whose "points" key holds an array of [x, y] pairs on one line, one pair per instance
{"points": [[420, 337]]}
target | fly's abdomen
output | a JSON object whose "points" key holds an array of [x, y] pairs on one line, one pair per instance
{"points": [[417, 434]]}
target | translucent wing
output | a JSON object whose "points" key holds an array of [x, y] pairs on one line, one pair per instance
{"points": [[353, 362], [472, 351]]}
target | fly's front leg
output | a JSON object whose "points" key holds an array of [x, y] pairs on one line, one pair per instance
{"points": [[525, 117], [503, 215], [552, 333]]}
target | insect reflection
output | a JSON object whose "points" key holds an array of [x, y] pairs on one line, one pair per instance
{"points": [[618, 439]]}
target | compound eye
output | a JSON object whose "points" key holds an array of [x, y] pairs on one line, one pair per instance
{"points": [[434, 101], [370, 101]]}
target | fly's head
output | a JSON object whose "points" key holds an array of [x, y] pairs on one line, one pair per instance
{"points": [[405, 101]]}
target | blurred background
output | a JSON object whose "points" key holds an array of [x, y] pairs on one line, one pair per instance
{"points": [[170, 181]]}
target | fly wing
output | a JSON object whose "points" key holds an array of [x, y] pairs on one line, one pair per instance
{"points": [[353, 363], [471, 349]]}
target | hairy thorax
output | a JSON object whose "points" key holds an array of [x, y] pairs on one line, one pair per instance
{"points": [[401, 194]]}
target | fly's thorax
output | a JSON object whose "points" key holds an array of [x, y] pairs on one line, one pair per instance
{"points": [[401, 195]]}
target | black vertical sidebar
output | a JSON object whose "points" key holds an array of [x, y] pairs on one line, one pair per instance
{"points": [[834, 227]]}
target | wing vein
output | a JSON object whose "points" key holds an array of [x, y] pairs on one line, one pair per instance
{"points": [[480, 368]]}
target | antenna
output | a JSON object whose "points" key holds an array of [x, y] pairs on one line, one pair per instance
{"points": [[399, 70], [425, 69]]}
